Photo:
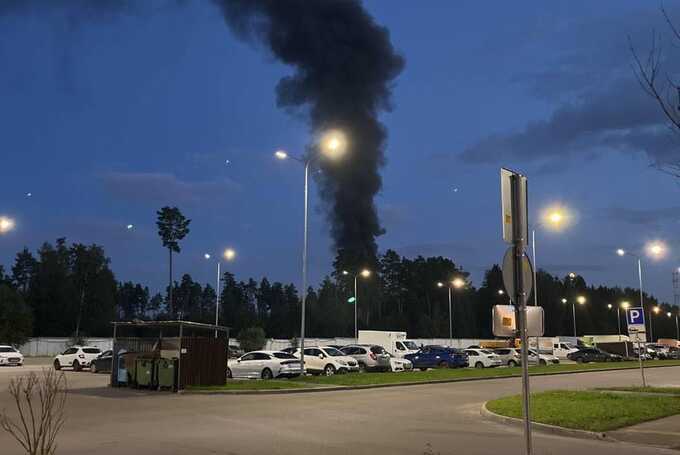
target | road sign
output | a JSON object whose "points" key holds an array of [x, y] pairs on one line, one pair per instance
{"points": [[635, 317], [509, 275], [504, 321], [508, 221]]}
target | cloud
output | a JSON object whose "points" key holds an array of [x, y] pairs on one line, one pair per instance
{"points": [[599, 107], [165, 188], [644, 217]]}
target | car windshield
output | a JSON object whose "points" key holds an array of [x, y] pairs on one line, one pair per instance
{"points": [[487, 351], [410, 345], [92, 350], [283, 355], [7, 349], [333, 352]]}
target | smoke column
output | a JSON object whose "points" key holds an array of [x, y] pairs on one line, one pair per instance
{"points": [[343, 67]]}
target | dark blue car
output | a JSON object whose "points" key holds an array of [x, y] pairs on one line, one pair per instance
{"points": [[438, 357]]}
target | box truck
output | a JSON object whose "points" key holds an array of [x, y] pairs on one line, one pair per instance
{"points": [[395, 343]]}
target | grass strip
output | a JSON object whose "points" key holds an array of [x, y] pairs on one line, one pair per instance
{"points": [[253, 384], [589, 410], [665, 390]]}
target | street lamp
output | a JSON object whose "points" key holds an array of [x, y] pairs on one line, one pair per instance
{"points": [[332, 144], [6, 224], [655, 310], [581, 301], [677, 326], [364, 273], [456, 283], [229, 255], [655, 250]]}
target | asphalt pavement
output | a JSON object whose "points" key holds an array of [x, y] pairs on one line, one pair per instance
{"points": [[442, 419]]}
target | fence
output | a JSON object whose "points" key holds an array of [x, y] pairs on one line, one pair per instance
{"points": [[49, 347]]}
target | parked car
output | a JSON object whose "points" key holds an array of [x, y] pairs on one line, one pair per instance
{"points": [[370, 357], [542, 359], [327, 360], [76, 357], [562, 350], [9, 356], [400, 364], [585, 355], [674, 353], [483, 358], [658, 351], [102, 364], [509, 356], [264, 365], [434, 356]]}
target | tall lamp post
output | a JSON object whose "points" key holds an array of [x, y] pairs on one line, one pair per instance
{"points": [[456, 283], [655, 250], [365, 273], [229, 255], [333, 145], [655, 310], [581, 301], [677, 326]]}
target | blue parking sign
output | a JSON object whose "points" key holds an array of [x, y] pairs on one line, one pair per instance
{"points": [[636, 316]]}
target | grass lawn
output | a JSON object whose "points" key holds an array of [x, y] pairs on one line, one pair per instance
{"points": [[591, 410], [254, 384], [667, 390], [355, 379]]}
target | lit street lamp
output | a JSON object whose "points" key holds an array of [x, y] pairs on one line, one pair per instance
{"points": [[332, 144], [456, 283], [6, 224], [655, 310], [365, 273], [581, 301], [677, 326], [229, 255]]}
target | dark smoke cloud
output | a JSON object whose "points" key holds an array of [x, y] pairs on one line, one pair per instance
{"points": [[344, 64]]}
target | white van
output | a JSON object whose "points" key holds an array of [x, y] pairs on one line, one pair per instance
{"points": [[395, 343], [562, 349]]}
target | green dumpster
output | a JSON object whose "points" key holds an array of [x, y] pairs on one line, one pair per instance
{"points": [[144, 373], [165, 373]]}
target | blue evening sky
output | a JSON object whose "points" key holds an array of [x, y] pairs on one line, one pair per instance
{"points": [[106, 119]]}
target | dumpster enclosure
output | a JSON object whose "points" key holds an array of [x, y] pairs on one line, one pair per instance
{"points": [[168, 355]]}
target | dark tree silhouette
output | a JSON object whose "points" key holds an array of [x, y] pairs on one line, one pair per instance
{"points": [[172, 227]]}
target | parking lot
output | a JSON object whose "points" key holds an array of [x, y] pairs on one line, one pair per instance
{"points": [[398, 420]]}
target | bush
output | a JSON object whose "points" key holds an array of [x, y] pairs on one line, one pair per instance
{"points": [[251, 339]]}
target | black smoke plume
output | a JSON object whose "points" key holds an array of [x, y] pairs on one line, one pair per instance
{"points": [[343, 67]]}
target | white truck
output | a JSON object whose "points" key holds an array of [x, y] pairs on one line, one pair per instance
{"points": [[395, 343]]}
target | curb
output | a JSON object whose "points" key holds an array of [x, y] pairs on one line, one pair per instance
{"points": [[332, 388], [545, 428]]}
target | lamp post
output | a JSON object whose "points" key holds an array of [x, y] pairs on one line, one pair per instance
{"points": [[581, 301], [229, 255], [625, 305], [456, 283], [333, 144], [365, 273], [677, 326], [654, 310]]}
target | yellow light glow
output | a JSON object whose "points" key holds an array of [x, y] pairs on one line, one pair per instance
{"points": [[669, 314], [556, 217], [281, 154], [6, 224], [609, 305], [365, 273], [333, 144], [581, 300], [656, 249], [572, 275], [625, 305], [458, 283], [656, 310], [440, 284], [501, 292], [229, 254], [564, 300]]}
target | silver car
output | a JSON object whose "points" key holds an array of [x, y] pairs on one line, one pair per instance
{"points": [[510, 356], [370, 357]]}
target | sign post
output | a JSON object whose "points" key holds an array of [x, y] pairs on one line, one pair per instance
{"points": [[515, 229], [635, 320]]}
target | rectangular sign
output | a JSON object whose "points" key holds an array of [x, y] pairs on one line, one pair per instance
{"points": [[635, 318], [504, 321], [508, 223]]}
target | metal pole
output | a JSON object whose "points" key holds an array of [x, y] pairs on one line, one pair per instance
{"points": [[533, 254], [618, 320], [450, 320], [642, 306], [573, 311], [518, 241], [651, 327], [217, 299], [356, 302], [677, 328], [304, 272], [179, 358]]}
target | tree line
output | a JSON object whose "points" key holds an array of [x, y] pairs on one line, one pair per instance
{"points": [[70, 290]]}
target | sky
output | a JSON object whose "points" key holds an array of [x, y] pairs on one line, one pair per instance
{"points": [[106, 118]]}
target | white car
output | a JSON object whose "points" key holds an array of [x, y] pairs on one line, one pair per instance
{"points": [[10, 356], [264, 365], [327, 360], [400, 364], [483, 358], [542, 359], [76, 357], [561, 349]]}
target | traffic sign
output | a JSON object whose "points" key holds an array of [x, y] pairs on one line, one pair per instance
{"points": [[509, 275], [635, 317], [504, 321], [522, 217]]}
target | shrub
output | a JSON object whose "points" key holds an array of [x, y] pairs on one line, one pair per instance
{"points": [[251, 339]]}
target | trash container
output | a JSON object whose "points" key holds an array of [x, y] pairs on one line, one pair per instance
{"points": [[144, 373], [165, 373]]}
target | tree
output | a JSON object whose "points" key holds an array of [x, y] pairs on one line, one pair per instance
{"points": [[15, 317], [172, 227], [251, 339]]}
